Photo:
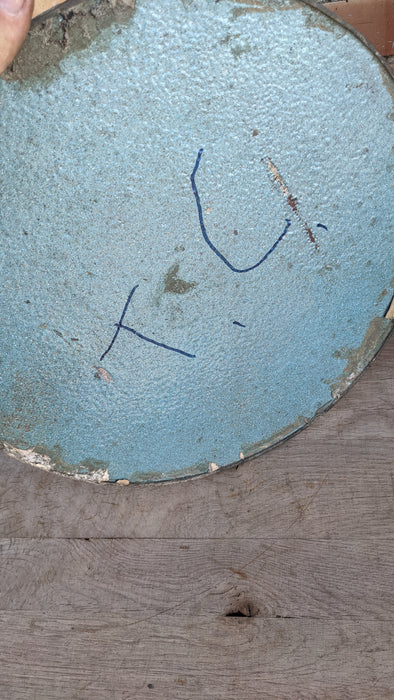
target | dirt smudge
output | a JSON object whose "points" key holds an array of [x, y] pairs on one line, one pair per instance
{"points": [[174, 284], [68, 28]]}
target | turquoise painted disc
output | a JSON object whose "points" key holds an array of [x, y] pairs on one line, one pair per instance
{"points": [[196, 237]]}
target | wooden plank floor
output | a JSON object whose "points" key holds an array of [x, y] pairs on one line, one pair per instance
{"points": [[270, 581]]}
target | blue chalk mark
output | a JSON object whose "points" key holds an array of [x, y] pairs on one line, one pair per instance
{"points": [[120, 322], [154, 342], [120, 325], [204, 231], [322, 226], [237, 323]]}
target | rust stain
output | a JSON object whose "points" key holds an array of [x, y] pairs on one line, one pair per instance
{"points": [[291, 201]]}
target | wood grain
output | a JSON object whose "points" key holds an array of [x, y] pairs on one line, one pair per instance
{"points": [[105, 656], [276, 578]]}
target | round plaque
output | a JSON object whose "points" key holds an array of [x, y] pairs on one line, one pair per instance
{"points": [[196, 232]]}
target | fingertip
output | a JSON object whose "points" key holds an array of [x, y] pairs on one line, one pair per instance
{"points": [[15, 18]]}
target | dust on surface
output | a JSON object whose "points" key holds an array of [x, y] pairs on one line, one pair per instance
{"points": [[70, 27]]}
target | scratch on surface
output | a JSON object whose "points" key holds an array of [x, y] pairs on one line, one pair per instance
{"points": [[295, 521], [291, 201], [210, 590], [303, 507]]}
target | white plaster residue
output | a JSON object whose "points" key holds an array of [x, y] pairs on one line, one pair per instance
{"points": [[29, 456], [44, 462], [213, 467], [241, 455], [97, 476]]}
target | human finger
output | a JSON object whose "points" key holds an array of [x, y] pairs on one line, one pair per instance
{"points": [[15, 16]]}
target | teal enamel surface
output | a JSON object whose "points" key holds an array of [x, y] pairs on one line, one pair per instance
{"points": [[97, 198]]}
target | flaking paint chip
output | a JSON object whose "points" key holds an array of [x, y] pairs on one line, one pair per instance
{"points": [[213, 467]]}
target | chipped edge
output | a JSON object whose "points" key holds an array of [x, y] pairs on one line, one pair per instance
{"points": [[213, 467], [29, 456]]}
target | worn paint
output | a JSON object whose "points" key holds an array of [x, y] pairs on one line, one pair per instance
{"points": [[38, 458], [137, 328], [359, 358]]}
